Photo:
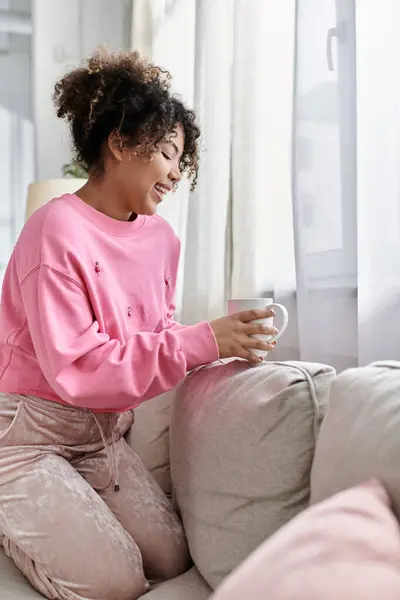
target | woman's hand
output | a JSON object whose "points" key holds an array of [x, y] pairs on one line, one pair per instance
{"points": [[233, 334]]}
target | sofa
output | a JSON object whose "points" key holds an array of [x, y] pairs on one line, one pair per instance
{"points": [[243, 450]]}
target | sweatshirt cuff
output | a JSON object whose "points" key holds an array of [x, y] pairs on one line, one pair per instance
{"points": [[198, 344]]}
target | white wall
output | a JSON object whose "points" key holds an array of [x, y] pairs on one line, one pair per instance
{"points": [[64, 31]]}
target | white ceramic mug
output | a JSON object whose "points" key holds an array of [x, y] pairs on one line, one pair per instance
{"points": [[236, 305]]}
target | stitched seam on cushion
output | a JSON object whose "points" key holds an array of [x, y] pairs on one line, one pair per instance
{"points": [[393, 365], [308, 377], [313, 394]]}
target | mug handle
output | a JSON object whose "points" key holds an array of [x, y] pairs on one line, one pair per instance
{"points": [[284, 324]]}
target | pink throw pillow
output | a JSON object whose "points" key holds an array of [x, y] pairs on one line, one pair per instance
{"points": [[345, 548]]}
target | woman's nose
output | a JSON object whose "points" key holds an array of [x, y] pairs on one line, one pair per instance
{"points": [[175, 175]]}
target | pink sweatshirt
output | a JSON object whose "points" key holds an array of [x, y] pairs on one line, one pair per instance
{"points": [[86, 315]]}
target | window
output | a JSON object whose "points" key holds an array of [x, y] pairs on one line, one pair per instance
{"points": [[16, 124]]}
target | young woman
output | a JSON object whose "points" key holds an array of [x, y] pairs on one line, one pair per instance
{"points": [[87, 333]]}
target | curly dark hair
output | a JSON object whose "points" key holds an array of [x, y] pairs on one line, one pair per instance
{"points": [[123, 92]]}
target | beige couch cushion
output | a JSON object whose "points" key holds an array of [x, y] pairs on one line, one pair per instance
{"points": [[242, 443], [360, 436], [13, 585], [149, 437], [331, 551], [190, 586]]}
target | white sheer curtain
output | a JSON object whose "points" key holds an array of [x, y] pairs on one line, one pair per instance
{"points": [[194, 40], [262, 244], [226, 57], [298, 196]]}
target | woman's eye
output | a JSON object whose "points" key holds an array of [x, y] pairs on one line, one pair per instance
{"points": [[166, 156]]}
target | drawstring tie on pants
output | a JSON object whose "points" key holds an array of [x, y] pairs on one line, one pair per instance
{"points": [[111, 451]]}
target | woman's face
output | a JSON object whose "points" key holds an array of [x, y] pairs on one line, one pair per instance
{"points": [[141, 183]]}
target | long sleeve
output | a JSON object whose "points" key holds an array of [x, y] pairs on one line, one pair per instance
{"points": [[172, 325], [88, 369]]}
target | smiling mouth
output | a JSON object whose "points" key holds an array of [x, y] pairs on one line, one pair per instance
{"points": [[161, 191]]}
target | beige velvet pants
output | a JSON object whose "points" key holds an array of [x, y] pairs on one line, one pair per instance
{"points": [[64, 522]]}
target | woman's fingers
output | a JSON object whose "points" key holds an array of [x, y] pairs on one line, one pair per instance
{"points": [[259, 329], [248, 355], [251, 315], [247, 343], [253, 344], [252, 358]]}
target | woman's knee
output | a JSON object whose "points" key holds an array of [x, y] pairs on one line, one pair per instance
{"points": [[122, 578], [173, 557], [103, 578]]}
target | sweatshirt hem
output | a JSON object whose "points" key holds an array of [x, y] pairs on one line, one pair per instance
{"points": [[58, 400]]}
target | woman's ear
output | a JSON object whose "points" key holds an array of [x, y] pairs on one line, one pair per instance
{"points": [[115, 145]]}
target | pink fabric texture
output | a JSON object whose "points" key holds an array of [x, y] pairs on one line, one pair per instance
{"points": [[86, 314], [61, 520], [346, 548]]}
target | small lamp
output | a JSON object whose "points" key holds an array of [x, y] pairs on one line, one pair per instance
{"points": [[42, 191]]}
